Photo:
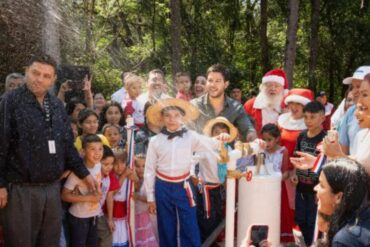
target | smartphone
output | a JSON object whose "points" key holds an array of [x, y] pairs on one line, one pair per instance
{"points": [[259, 233]]}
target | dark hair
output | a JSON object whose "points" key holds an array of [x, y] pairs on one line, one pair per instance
{"points": [[367, 78], [90, 138], [314, 107], [220, 126], [71, 105], [220, 69], [182, 73], [103, 119], [44, 59], [83, 115], [271, 129], [107, 152], [346, 176]]}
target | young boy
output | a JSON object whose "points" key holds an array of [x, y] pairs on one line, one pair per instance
{"points": [[209, 199], [183, 85], [85, 204], [131, 105], [305, 206], [167, 170]]}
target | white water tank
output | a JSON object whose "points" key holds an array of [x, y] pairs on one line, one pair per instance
{"points": [[259, 203]]}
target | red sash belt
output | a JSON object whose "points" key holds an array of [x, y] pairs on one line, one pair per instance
{"points": [[119, 209], [183, 178]]}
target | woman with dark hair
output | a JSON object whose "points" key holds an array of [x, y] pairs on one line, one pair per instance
{"points": [[343, 199], [112, 113]]}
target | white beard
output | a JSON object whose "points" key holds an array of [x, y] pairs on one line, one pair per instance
{"points": [[266, 101]]}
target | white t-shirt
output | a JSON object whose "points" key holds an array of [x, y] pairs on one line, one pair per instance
{"points": [[84, 209], [361, 148]]}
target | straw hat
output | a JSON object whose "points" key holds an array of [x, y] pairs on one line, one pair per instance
{"points": [[208, 127], [154, 116]]}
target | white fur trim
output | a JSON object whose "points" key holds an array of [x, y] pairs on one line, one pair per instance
{"points": [[297, 99], [274, 78], [287, 122]]}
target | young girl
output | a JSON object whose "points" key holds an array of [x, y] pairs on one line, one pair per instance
{"points": [[145, 231], [111, 132], [88, 123], [131, 105], [278, 156], [122, 173], [112, 113], [110, 184]]}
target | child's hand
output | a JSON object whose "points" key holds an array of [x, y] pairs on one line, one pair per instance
{"points": [[223, 137], [152, 208], [294, 179], [111, 225], [76, 190], [94, 197]]}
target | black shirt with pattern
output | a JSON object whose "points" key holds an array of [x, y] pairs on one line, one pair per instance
{"points": [[307, 179]]}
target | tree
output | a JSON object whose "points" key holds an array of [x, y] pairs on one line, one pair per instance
{"points": [[291, 40], [266, 65], [314, 38], [175, 36]]}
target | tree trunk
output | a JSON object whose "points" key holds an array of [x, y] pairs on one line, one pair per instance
{"points": [[175, 36], [266, 66], [291, 40], [50, 29], [315, 20]]}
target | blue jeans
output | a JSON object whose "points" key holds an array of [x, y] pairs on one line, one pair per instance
{"points": [[305, 214], [171, 200]]}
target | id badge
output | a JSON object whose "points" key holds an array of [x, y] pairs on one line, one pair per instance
{"points": [[52, 149]]}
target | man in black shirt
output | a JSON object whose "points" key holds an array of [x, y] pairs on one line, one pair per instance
{"points": [[36, 147]]}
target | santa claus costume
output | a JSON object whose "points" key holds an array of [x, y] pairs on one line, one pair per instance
{"points": [[266, 108], [289, 130]]}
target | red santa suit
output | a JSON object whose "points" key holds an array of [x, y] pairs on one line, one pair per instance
{"points": [[258, 108], [289, 131]]}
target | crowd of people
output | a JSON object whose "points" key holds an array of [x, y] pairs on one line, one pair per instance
{"points": [[65, 167]]}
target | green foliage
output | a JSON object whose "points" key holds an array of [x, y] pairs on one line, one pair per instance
{"points": [[133, 35]]}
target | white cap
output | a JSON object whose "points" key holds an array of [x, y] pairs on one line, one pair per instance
{"points": [[359, 74]]}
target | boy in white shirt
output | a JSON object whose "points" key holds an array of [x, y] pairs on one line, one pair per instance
{"points": [[167, 170], [82, 216]]}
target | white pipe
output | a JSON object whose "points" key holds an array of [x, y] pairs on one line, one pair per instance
{"points": [[230, 199]]}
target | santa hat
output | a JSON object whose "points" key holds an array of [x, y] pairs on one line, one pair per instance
{"points": [[276, 75], [299, 95]]}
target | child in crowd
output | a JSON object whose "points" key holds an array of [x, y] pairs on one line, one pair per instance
{"points": [[85, 205], [122, 173], [110, 184], [112, 113], [211, 179], [88, 123], [278, 156], [167, 170], [145, 231], [183, 85], [111, 132], [131, 105], [144, 134], [308, 140], [74, 107], [99, 102]]}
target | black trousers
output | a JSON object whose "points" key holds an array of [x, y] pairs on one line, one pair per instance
{"points": [[33, 215], [217, 200]]}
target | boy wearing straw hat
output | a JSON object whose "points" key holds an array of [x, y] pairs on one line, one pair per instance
{"points": [[167, 170], [211, 177]]}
